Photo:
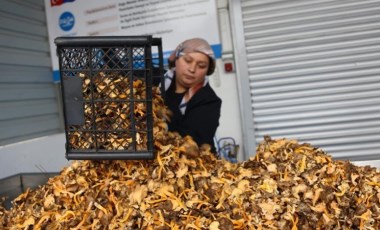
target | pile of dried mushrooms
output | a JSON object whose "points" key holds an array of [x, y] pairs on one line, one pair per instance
{"points": [[287, 185]]}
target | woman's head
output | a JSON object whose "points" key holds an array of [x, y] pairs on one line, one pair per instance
{"points": [[194, 45], [193, 60]]}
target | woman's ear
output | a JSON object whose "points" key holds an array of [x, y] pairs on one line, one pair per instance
{"points": [[211, 67], [172, 59]]}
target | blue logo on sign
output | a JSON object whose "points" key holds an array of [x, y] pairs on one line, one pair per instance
{"points": [[66, 21]]}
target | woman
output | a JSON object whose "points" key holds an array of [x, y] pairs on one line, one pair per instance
{"points": [[194, 104]]}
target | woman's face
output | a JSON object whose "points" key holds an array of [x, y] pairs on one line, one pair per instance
{"points": [[191, 69]]}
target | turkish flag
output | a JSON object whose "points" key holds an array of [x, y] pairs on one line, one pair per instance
{"points": [[56, 2]]}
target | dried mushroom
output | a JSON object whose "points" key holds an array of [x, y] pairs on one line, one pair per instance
{"points": [[114, 113], [287, 185]]}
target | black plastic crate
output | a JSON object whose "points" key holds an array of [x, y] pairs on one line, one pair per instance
{"points": [[107, 95]]}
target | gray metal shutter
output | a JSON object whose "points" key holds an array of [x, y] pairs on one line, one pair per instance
{"points": [[314, 72], [28, 97]]}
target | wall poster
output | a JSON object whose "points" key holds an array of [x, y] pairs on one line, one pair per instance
{"points": [[172, 20]]}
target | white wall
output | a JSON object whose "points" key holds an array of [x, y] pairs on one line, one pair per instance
{"points": [[45, 154], [224, 84]]}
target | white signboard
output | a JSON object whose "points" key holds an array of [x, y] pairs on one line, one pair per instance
{"points": [[172, 20]]}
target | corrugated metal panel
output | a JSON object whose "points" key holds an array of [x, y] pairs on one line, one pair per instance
{"points": [[314, 73], [28, 98]]}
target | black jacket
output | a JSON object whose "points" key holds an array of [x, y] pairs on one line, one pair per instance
{"points": [[201, 118]]}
